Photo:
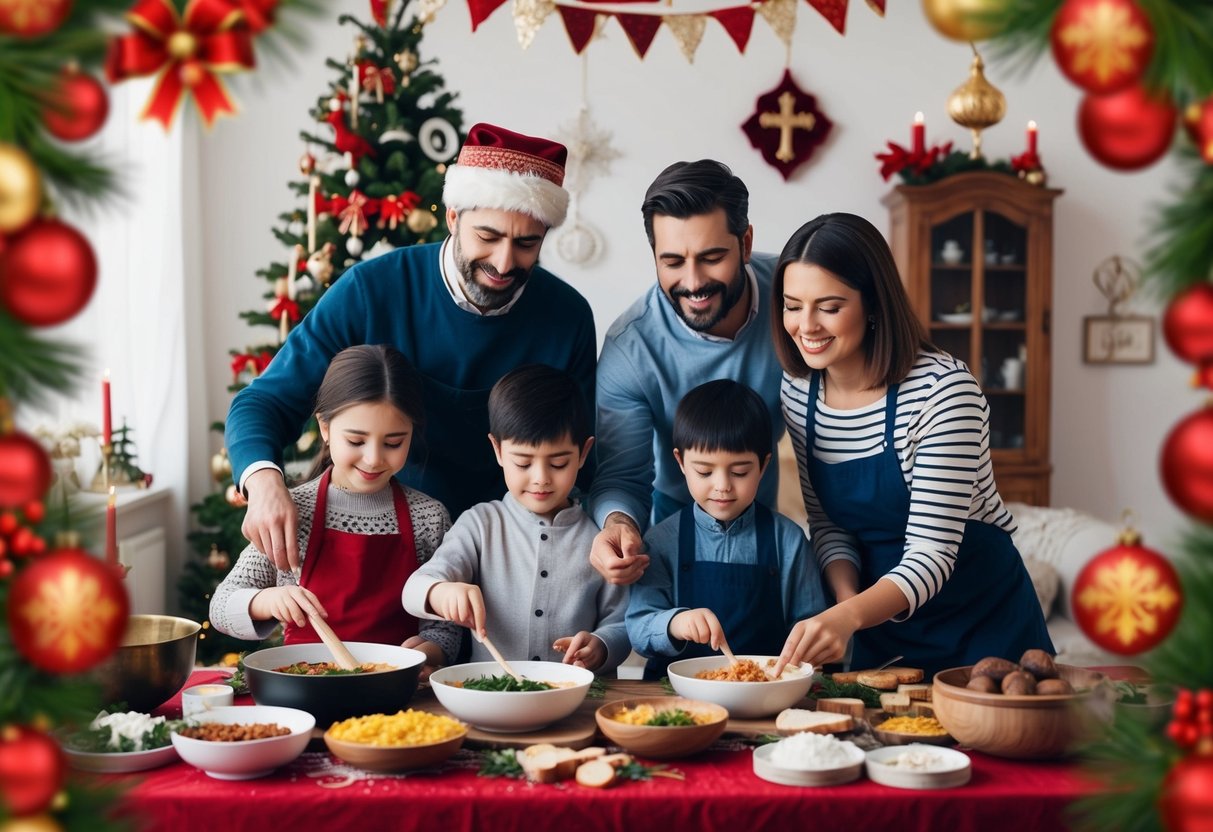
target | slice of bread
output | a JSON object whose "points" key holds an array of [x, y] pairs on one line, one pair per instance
{"points": [[894, 703], [906, 675], [919, 692], [842, 705], [918, 708], [879, 679], [797, 720], [847, 677]]}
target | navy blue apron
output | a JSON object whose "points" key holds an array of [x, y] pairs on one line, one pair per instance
{"points": [[746, 597], [986, 608]]}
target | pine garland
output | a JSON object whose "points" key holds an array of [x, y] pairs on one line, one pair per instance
{"points": [[34, 368]]}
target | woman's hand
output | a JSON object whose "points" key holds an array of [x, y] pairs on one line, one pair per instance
{"points": [[289, 604], [700, 626], [817, 640], [583, 650]]}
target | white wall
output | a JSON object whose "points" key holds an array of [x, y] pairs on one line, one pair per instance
{"points": [[1108, 422]]}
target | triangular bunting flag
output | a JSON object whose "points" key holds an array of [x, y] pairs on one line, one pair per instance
{"points": [[781, 16], [738, 22], [834, 11], [579, 24], [481, 9], [688, 31], [640, 29], [529, 15], [877, 6]]}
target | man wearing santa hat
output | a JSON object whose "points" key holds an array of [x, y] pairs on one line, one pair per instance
{"points": [[465, 311]]}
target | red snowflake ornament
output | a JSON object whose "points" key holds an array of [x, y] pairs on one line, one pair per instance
{"points": [[787, 126]]}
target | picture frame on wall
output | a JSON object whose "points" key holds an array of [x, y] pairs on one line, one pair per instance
{"points": [[1118, 339]]}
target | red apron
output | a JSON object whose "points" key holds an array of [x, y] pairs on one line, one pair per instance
{"points": [[359, 577]]}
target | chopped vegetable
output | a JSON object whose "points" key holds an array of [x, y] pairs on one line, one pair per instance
{"points": [[504, 683]]}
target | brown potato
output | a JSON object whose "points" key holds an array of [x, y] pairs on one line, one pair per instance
{"points": [[1039, 664], [1049, 687], [1019, 683], [984, 684], [993, 667]]}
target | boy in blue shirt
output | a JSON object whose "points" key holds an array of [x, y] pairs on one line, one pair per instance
{"points": [[724, 566]]}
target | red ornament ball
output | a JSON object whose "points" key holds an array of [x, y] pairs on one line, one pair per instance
{"points": [[67, 611], [32, 769], [25, 470], [32, 18], [47, 273], [1126, 130], [1103, 46], [1187, 465], [1198, 121], [1188, 324], [78, 108], [1186, 802], [1128, 598]]}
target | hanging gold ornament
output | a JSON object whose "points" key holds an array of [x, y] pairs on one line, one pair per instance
{"points": [[529, 15], [426, 9], [221, 466], [31, 823], [217, 559], [234, 498], [20, 188], [406, 60], [965, 20], [976, 104], [421, 221], [780, 15], [688, 31]]}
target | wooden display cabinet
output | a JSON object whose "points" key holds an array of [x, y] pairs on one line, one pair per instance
{"points": [[975, 251]]}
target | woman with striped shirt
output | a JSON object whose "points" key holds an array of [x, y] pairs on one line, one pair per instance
{"points": [[892, 440]]}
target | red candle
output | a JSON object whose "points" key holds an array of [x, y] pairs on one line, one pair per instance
{"points": [[1032, 137], [111, 529], [107, 422], [920, 134]]}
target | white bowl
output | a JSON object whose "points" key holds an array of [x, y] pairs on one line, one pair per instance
{"points": [[120, 762], [511, 712], [769, 771], [953, 768], [247, 759], [743, 700]]}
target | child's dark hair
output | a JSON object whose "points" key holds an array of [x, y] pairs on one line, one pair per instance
{"points": [[536, 403], [368, 374], [723, 415]]}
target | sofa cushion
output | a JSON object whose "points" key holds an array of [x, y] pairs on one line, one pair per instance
{"points": [[1045, 580]]}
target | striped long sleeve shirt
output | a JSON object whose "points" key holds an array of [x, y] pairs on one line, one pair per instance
{"points": [[942, 438]]}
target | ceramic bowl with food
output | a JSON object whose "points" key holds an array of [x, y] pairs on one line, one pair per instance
{"points": [[511, 711], [331, 698], [918, 766], [743, 700], [153, 663], [664, 733], [244, 759], [1023, 726], [402, 741]]}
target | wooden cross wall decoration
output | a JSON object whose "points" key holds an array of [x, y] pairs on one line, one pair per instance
{"points": [[787, 126]]}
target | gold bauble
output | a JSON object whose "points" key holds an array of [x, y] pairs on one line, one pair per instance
{"points": [[234, 498], [421, 221], [964, 20], [976, 104], [221, 466], [31, 823], [20, 188]]}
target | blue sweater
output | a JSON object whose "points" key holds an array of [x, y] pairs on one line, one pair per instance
{"points": [[649, 361], [400, 299]]}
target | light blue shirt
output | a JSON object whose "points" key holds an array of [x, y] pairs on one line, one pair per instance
{"points": [[649, 361], [654, 600]]}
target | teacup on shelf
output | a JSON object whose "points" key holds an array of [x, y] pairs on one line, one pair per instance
{"points": [[951, 253]]}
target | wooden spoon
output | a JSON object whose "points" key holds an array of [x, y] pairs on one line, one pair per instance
{"points": [[496, 654], [341, 654]]}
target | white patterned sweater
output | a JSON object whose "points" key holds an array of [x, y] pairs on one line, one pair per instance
{"points": [[346, 512], [942, 439]]}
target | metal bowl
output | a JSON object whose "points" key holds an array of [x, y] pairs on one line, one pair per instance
{"points": [[153, 663], [334, 698]]}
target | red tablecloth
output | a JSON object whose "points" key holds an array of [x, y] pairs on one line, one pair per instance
{"points": [[720, 792]]}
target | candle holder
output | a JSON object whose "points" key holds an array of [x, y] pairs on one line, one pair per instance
{"points": [[103, 479], [118, 466]]}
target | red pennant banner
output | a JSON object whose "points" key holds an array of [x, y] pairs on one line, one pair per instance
{"points": [[481, 9], [379, 12], [738, 22], [640, 29], [579, 24], [877, 6], [834, 11]]}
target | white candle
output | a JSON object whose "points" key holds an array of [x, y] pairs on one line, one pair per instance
{"points": [[292, 269], [313, 182]]}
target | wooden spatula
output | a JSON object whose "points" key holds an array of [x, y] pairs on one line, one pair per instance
{"points": [[341, 654], [496, 654]]}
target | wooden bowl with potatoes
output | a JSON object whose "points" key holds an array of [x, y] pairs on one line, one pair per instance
{"points": [[1033, 709]]}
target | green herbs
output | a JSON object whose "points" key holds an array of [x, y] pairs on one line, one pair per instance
{"points": [[318, 669], [503, 763], [597, 689], [827, 688], [504, 683], [675, 717], [97, 740], [639, 771], [667, 687], [1128, 693]]}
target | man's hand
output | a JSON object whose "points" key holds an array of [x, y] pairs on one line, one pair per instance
{"points": [[288, 604], [616, 552], [583, 650], [271, 520], [700, 626], [458, 602]]}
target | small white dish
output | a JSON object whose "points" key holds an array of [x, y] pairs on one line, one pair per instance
{"points": [[953, 768], [201, 698], [1009, 315], [120, 762], [767, 770], [957, 318], [246, 759]]}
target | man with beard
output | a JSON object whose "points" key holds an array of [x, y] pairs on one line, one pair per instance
{"points": [[706, 318], [464, 311]]}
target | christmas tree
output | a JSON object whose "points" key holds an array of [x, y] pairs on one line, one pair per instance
{"points": [[371, 181]]}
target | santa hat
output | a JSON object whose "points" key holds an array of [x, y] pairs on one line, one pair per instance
{"points": [[498, 168]]}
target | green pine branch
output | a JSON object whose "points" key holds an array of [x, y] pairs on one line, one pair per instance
{"points": [[1181, 238], [32, 367]]}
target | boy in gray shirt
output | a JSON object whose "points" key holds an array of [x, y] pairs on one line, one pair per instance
{"points": [[523, 560]]}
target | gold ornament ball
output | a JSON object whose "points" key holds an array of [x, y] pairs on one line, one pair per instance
{"points": [[31, 823], [221, 466], [964, 20], [421, 221], [234, 498], [20, 188]]}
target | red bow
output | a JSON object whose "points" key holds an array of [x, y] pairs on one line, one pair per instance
{"points": [[393, 209], [898, 158], [1026, 161], [258, 14], [255, 364], [353, 215], [347, 141], [379, 79], [334, 204], [285, 306], [213, 37]]}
